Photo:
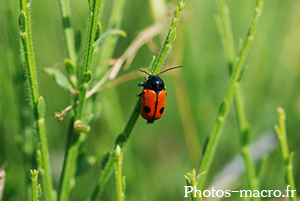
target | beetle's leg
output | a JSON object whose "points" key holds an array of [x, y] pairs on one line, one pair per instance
{"points": [[139, 94], [138, 108], [141, 84]]}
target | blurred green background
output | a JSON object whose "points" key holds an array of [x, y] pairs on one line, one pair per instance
{"points": [[156, 156]]}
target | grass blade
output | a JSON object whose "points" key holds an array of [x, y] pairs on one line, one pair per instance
{"points": [[286, 155], [37, 103], [75, 139], [224, 108], [224, 26]]}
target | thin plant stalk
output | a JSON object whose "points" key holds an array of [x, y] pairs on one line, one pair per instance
{"points": [[67, 180], [286, 155], [76, 139], [120, 141], [169, 40], [65, 11], [45, 165], [105, 53], [224, 107], [34, 182], [225, 30], [95, 6], [120, 180], [226, 33], [103, 178], [26, 38], [124, 136], [107, 49], [25, 28]]}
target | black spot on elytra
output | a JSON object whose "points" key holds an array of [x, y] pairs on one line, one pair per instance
{"points": [[162, 110], [147, 109], [143, 93]]}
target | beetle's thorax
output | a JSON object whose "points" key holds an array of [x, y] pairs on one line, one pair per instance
{"points": [[155, 83]]}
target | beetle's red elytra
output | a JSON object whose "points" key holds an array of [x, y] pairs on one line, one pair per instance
{"points": [[154, 96]]}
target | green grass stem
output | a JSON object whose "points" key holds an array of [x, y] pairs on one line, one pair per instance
{"points": [[75, 139], [37, 103], [226, 30], [67, 180], [65, 11], [224, 26], [286, 155], [103, 177], [34, 182], [45, 167], [124, 136], [120, 141], [93, 34], [224, 107], [169, 40], [108, 47], [71, 64], [25, 28], [106, 51], [120, 180]]}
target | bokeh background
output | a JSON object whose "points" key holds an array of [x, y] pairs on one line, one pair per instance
{"points": [[157, 156]]}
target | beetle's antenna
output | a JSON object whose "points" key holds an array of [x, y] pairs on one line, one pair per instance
{"points": [[144, 72], [169, 69]]}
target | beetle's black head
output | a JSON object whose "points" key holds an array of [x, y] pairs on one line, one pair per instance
{"points": [[154, 83]]}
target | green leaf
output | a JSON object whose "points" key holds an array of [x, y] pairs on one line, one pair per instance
{"points": [[176, 12], [98, 31], [41, 107], [60, 78], [152, 63], [22, 22], [70, 66], [39, 192], [39, 159], [105, 159], [223, 106], [88, 76], [172, 36], [188, 181], [72, 71], [124, 184], [243, 73]]}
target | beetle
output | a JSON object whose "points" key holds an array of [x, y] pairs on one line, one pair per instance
{"points": [[154, 96]]}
